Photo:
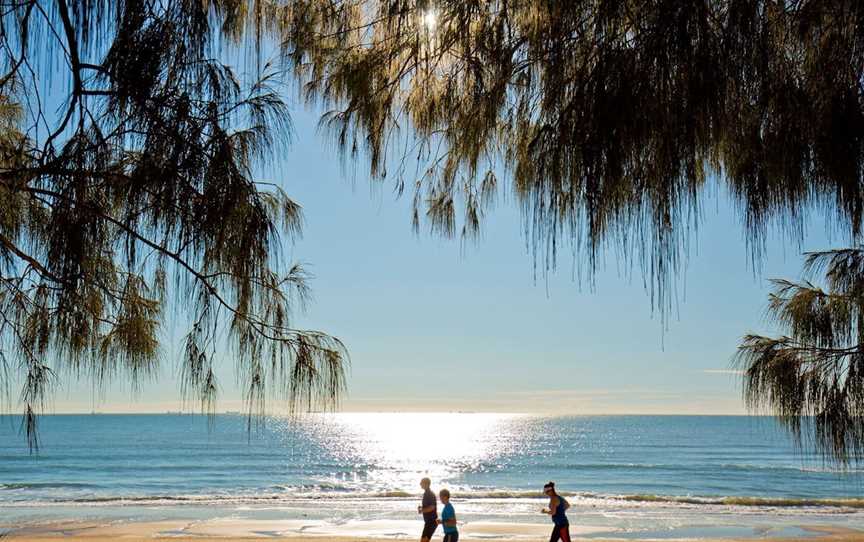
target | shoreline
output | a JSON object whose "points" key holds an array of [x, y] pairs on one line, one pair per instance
{"points": [[487, 520], [219, 530]]}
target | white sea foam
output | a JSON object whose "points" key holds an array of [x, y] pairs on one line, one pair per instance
{"points": [[504, 498]]}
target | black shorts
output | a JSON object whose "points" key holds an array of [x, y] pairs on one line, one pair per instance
{"points": [[560, 533], [429, 529], [451, 537]]}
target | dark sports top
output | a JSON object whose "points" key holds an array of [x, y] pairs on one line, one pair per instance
{"points": [[430, 500], [560, 518]]}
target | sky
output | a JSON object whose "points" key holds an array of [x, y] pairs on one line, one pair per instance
{"points": [[435, 325]]}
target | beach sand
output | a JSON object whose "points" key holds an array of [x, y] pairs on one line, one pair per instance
{"points": [[294, 531]]}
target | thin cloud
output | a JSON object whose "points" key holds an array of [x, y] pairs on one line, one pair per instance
{"points": [[723, 372]]}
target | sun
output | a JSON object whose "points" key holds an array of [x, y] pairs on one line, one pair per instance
{"points": [[429, 19]]}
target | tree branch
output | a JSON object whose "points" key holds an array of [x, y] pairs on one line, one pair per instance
{"points": [[8, 245], [75, 61]]}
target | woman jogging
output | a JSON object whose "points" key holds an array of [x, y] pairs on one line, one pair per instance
{"points": [[557, 508]]}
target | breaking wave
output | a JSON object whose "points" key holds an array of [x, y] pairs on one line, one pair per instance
{"points": [[298, 495]]}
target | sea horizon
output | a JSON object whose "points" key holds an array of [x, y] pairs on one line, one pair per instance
{"points": [[400, 411]]}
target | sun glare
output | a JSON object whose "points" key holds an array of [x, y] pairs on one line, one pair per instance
{"points": [[429, 19], [406, 447]]}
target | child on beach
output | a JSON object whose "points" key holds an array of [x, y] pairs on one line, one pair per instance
{"points": [[448, 518]]}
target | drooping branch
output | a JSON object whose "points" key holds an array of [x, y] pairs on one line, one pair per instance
{"points": [[154, 179], [813, 378], [605, 120]]}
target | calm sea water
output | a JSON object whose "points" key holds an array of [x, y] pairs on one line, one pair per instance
{"points": [[622, 472]]}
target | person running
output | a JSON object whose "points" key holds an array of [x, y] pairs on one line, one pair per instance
{"points": [[429, 509], [558, 505], [448, 518]]}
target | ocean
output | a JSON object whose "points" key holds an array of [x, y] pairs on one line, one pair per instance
{"points": [[625, 476]]}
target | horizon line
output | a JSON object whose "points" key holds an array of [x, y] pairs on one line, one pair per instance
{"points": [[300, 415]]}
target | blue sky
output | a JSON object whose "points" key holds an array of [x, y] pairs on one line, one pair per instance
{"points": [[432, 325]]}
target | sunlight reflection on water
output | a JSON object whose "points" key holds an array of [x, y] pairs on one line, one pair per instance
{"points": [[400, 448]]}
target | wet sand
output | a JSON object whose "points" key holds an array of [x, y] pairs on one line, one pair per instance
{"points": [[296, 531]]}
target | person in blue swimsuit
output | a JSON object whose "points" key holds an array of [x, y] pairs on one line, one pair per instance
{"points": [[558, 505], [448, 518]]}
